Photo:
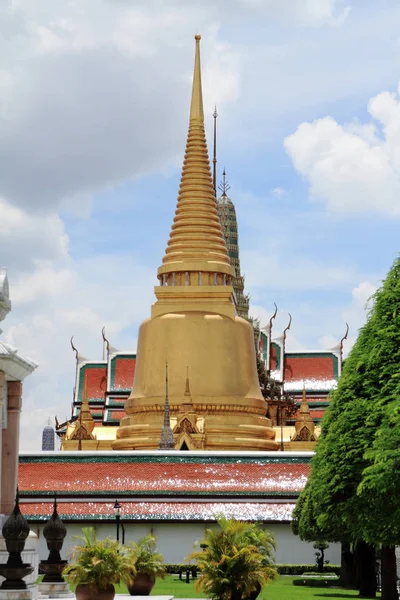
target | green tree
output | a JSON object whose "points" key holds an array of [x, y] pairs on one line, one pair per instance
{"points": [[345, 500], [236, 560]]}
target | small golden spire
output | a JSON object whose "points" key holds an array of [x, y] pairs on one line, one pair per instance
{"points": [[304, 404], [196, 107], [304, 425], [85, 413]]}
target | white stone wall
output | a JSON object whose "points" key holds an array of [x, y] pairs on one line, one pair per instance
{"points": [[175, 540]]}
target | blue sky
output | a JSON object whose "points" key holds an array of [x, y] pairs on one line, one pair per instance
{"points": [[94, 102]]}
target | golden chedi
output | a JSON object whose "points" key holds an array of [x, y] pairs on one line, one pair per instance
{"points": [[214, 395]]}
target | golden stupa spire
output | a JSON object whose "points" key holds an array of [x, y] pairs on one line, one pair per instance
{"points": [[196, 253]]}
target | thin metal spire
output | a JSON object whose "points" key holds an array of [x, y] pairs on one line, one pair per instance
{"points": [[224, 186], [215, 115], [167, 438]]}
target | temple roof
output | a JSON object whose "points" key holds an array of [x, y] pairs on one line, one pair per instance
{"points": [[160, 511], [149, 474], [318, 371], [15, 366], [5, 304]]}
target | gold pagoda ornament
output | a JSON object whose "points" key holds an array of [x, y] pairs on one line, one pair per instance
{"points": [[194, 326], [304, 425]]}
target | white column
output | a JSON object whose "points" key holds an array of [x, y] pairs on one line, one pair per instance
{"points": [[10, 444]]}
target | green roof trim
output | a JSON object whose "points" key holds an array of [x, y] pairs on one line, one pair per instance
{"points": [[115, 402], [278, 355], [129, 517], [157, 493]]}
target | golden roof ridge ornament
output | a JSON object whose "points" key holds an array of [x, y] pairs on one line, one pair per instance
{"points": [[343, 339], [196, 243]]}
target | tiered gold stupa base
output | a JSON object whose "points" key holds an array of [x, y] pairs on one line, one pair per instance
{"points": [[225, 409], [220, 428]]}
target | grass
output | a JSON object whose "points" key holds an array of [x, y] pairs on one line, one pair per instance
{"points": [[280, 589]]}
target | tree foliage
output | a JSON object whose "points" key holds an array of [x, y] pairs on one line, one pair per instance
{"points": [[352, 472]]}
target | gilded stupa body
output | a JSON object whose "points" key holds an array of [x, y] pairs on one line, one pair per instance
{"points": [[194, 326]]}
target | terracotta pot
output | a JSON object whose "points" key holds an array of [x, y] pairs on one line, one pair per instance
{"points": [[142, 585], [88, 592]]}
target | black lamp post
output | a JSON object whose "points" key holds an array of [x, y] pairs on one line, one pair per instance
{"points": [[281, 411], [117, 513]]}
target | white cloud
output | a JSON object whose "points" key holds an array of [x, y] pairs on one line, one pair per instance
{"points": [[300, 273], [55, 303], [28, 238], [278, 192], [305, 12], [353, 168], [355, 314]]}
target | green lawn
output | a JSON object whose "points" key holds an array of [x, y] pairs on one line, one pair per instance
{"points": [[281, 589]]}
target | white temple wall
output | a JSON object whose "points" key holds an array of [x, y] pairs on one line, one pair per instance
{"points": [[175, 540]]}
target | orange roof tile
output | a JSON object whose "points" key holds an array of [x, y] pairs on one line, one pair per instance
{"points": [[309, 367], [180, 511], [147, 477]]}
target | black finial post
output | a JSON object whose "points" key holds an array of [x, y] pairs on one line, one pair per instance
{"points": [[15, 531], [167, 438], [54, 532]]}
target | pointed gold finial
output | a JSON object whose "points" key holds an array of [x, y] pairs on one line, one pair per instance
{"points": [[304, 398], [196, 107]]}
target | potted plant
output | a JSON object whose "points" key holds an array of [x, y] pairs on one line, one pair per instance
{"points": [[149, 564], [98, 565], [235, 560]]}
